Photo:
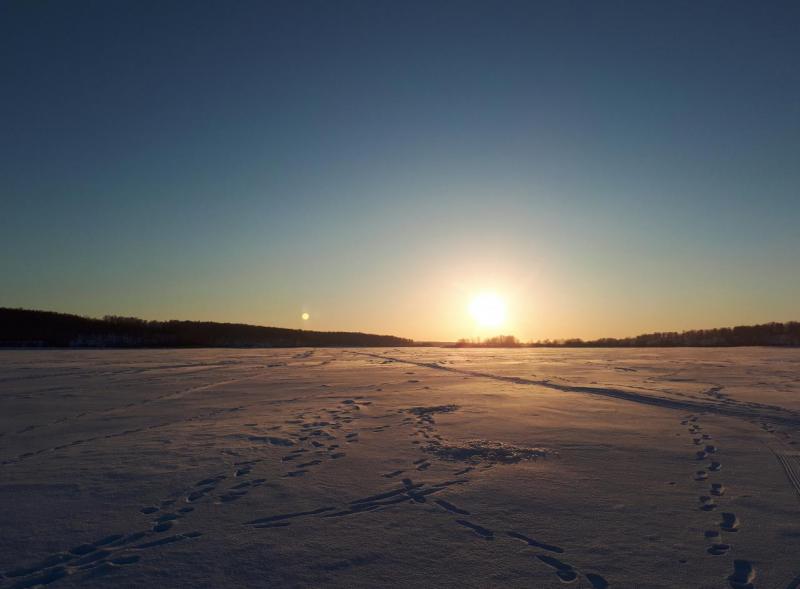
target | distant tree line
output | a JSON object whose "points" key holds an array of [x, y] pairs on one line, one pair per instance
{"points": [[28, 328], [767, 334], [498, 341]]}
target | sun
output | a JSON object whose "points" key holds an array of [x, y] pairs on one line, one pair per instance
{"points": [[305, 316], [488, 310]]}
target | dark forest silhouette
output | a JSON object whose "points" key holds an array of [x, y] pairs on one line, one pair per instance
{"points": [[498, 341], [26, 328], [767, 334], [29, 328]]}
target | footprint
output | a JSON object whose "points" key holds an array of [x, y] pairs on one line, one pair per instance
{"points": [[564, 571], [295, 473], [597, 581], [91, 558], [743, 575], [718, 549], [707, 503], [730, 523], [199, 494], [51, 561], [168, 540], [717, 489], [162, 527], [83, 549], [451, 508], [536, 543], [392, 474], [108, 540], [45, 578], [417, 497], [284, 516], [480, 530], [715, 467], [407, 486]]}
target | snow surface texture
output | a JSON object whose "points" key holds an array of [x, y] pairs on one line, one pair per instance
{"points": [[415, 467]]}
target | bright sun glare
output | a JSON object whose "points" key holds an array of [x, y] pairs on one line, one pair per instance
{"points": [[488, 309]]}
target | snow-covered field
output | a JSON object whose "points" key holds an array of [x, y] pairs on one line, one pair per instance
{"points": [[416, 467]]}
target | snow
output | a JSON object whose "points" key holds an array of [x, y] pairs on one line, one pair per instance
{"points": [[403, 467]]}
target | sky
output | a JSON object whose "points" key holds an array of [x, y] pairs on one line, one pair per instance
{"points": [[606, 168]]}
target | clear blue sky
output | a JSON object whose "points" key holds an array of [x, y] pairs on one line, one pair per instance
{"points": [[608, 168]]}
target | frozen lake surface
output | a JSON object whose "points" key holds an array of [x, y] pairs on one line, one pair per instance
{"points": [[413, 467]]}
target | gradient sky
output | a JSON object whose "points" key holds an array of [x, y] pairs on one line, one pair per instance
{"points": [[610, 168]]}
